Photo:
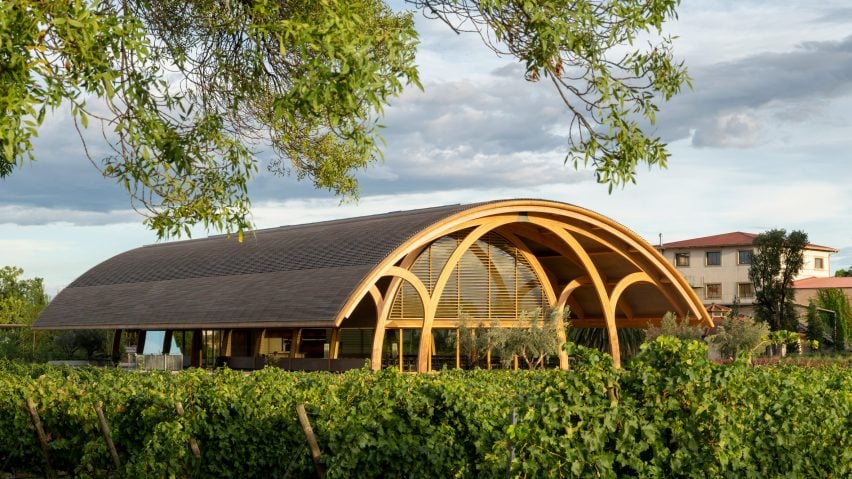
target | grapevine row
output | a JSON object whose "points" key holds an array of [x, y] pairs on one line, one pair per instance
{"points": [[668, 413]]}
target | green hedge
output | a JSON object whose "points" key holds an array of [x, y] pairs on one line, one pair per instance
{"points": [[668, 413]]}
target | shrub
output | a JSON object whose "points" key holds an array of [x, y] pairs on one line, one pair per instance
{"points": [[816, 326], [835, 299], [738, 335], [670, 325]]}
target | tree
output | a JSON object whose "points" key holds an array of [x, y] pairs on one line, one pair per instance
{"points": [[21, 301], [843, 273], [835, 300], [90, 341], [738, 335], [670, 325], [187, 92], [533, 341], [816, 325], [777, 259], [473, 340]]}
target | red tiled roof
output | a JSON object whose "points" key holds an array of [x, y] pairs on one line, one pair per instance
{"points": [[823, 283], [736, 238], [822, 248]]}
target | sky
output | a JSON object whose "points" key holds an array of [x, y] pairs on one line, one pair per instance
{"points": [[763, 140]]}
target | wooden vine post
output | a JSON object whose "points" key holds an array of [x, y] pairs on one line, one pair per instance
{"points": [[312, 440], [42, 437], [99, 409]]}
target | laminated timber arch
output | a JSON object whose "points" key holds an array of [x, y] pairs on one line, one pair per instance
{"points": [[596, 255], [323, 288]]}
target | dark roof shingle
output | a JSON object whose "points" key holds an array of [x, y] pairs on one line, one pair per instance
{"points": [[292, 274]]}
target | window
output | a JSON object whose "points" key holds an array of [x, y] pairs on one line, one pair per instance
{"points": [[682, 259], [745, 290], [492, 281], [714, 258], [818, 264], [744, 256], [713, 290]]}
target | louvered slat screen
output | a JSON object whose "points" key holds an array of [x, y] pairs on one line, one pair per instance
{"points": [[493, 281]]}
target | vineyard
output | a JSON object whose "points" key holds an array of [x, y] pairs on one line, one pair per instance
{"points": [[668, 413]]}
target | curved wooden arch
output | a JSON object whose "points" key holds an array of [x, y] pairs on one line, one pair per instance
{"points": [[569, 288], [560, 220], [626, 282], [466, 244], [379, 335], [481, 229], [676, 304], [597, 282]]}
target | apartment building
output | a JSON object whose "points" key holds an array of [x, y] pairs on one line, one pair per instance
{"points": [[717, 266]]}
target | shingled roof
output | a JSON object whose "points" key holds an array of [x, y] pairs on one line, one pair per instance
{"points": [[288, 276]]}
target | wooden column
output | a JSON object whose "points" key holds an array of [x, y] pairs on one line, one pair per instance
{"points": [[597, 281], [258, 343], [196, 350], [401, 355], [140, 341], [431, 302], [116, 346], [167, 341], [334, 344], [296, 345], [227, 337], [458, 349]]}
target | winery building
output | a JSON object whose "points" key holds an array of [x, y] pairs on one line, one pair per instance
{"points": [[388, 288]]}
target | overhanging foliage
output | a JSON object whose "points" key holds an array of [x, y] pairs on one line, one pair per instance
{"points": [[186, 92]]}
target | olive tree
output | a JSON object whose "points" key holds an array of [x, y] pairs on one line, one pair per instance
{"points": [[735, 336], [671, 325], [536, 338]]}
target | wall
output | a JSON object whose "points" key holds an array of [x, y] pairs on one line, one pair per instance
{"points": [[729, 273], [808, 269]]}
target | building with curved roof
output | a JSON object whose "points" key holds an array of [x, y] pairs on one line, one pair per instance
{"points": [[390, 287]]}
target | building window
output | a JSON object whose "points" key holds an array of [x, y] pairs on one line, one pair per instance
{"points": [[744, 256], [713, 290], [714, 258], [682, 259], [818, 264], [745, 290]]}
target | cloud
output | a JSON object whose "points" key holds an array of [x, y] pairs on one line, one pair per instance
{"points": [[739, 130], [736, 103], [61, 177], [838, 15], [498, 114], [35, 215], [495, 131]]}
